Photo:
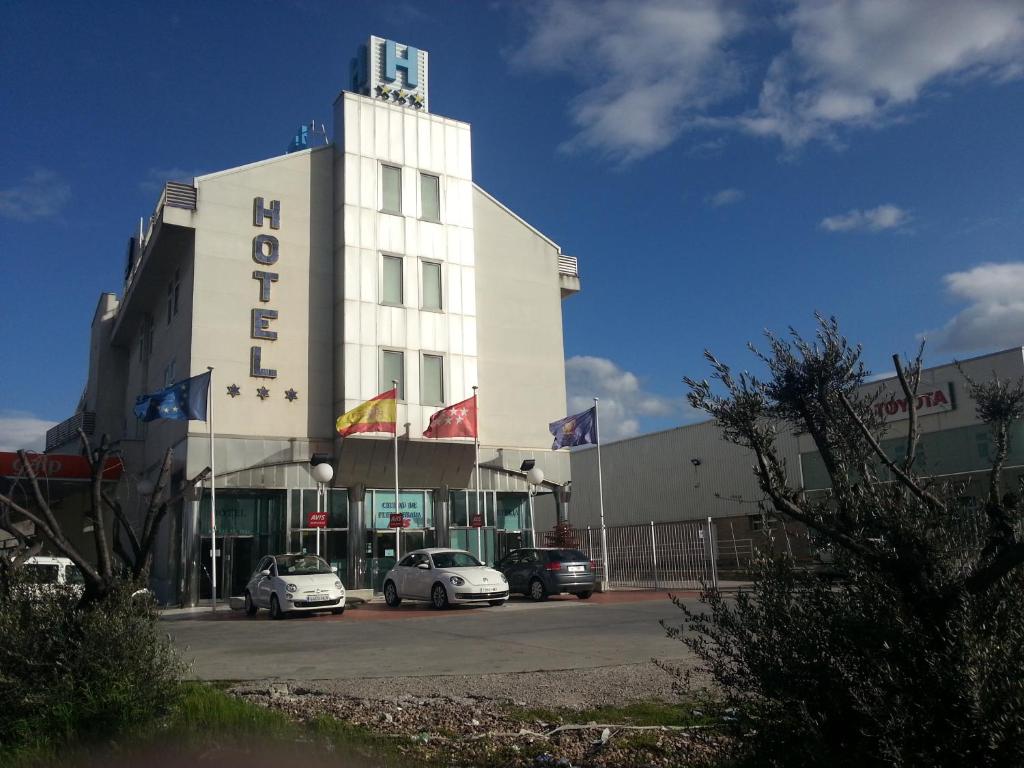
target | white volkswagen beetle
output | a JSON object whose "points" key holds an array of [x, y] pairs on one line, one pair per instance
{"points": [[286, 583], [444, 577]]}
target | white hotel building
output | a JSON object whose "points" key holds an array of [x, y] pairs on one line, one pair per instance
{"points": [[308, 282]]}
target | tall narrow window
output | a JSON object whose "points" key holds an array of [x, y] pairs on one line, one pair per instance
{"points": [[430, 197], [392, 187], [431, 285], [433, 380], [177, 288], [392, 368], [170, 302], [391, 290]]}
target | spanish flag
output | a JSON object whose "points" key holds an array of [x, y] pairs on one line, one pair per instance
{"points": [[377, 415]]}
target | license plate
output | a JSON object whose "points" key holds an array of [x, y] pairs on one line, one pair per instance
{"points": [[577, 568]]}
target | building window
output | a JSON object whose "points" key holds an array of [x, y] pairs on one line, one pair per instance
{"points": [[173, 289], [392, 368], [430, 197], [431, 285], [432, 382], [169, 373], [391, 178], [391, 289]]}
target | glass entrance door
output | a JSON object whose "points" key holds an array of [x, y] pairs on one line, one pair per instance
{"points": [[382, 551]]}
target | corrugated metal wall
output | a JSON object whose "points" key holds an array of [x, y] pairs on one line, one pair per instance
{"points": [[655, 478]]}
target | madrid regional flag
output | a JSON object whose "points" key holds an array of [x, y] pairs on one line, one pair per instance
{"points": [[457, 420], [377, 415]]}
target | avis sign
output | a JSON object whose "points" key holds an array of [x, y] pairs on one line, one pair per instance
{"points": [[937, 400], [316, 519]]}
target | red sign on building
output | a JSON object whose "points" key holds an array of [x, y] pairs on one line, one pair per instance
{"points": [[477, 521], [397, 520], [316, 519], [57, 466]]}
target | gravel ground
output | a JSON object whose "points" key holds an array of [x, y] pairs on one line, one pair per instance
{"points": [[470, 720]]}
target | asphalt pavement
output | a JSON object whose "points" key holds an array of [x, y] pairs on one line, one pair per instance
{"points": [[374, 641]]}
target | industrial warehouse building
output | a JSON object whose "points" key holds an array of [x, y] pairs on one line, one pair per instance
{"points": [[308, 282], [673, 479]]}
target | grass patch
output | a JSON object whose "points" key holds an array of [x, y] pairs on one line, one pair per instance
{"points": [[206, 718]]}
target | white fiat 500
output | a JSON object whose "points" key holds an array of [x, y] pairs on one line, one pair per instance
{"points": [[286, 583], [444, 577]]}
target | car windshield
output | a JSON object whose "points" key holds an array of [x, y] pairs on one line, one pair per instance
{"points": [[42, 573], [567, 556], [455, 560], [301, 565], [73, 576]]}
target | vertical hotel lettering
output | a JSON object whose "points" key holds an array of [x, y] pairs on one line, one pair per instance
{"points": [[265, 253]]}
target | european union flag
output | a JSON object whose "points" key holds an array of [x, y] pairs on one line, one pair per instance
{"points": [[579, 429], [182, 400]]}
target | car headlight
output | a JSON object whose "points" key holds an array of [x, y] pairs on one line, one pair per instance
{"points": [[503, 577], [337, 585], [458, 581], [292, 587]]}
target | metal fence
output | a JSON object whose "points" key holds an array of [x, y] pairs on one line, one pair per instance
{"points": [[678, 555]]}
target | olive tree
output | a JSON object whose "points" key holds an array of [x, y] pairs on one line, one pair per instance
{"points": [[914, 658]]}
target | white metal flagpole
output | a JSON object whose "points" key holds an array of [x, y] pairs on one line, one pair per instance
{"points": [[398, 507], [476, 472], [213, 497], [600, 496]]}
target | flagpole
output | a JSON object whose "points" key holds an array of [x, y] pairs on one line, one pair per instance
{"points": [[213, 499], [600, 496], [476, 442], [398, 508]]}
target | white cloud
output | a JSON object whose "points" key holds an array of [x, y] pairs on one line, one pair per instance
{"points": [[726, 197], [40, 195], [22, 430], [651, 69], [994, 317], [862, 62], [624, 402], [644, 67], [870, 220]]}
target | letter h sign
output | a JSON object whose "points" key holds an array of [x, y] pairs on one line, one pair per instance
{"points": [[410, 63]]}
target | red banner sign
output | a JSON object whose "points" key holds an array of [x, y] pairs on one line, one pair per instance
{"points": [[397, 520], [477, 521], [57, 466], [316, 520]]}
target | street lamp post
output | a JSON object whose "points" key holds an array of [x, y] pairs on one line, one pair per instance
{"points": [[323, 473], [535, 476]]}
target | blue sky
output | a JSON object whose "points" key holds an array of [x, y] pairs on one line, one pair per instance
{"points": [[718, 167]]}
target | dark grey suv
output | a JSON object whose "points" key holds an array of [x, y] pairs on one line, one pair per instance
{"points": [[548, 571]]}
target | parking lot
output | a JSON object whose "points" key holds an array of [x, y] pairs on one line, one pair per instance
{"points": [[413, 639]]}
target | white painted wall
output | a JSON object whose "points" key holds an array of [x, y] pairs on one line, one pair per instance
{"points": [[370, 133]]}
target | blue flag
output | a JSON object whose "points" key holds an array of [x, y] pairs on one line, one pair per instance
{"points": [[578, 429], [182, 400]]}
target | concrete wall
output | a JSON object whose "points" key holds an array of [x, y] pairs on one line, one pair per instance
{"points": [[522, 358], [653, 477], [225, 293]]}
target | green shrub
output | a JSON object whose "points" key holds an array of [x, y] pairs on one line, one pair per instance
{"points": [[69, 673]]}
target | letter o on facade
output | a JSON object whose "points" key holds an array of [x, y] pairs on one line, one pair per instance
{"points": [[264, 249]]}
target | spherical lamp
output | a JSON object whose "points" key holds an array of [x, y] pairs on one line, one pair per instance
{"points": [[535, 476], [323, 473]]}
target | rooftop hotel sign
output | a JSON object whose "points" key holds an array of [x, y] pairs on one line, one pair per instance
{"points": [[392, 72]]}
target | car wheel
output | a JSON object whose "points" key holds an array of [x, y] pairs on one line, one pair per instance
{"points": [[537, 590], [584, 595], [338, 611], [275, 608], [496, 603], [391, 595], [439, 597], [250, 606]]}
